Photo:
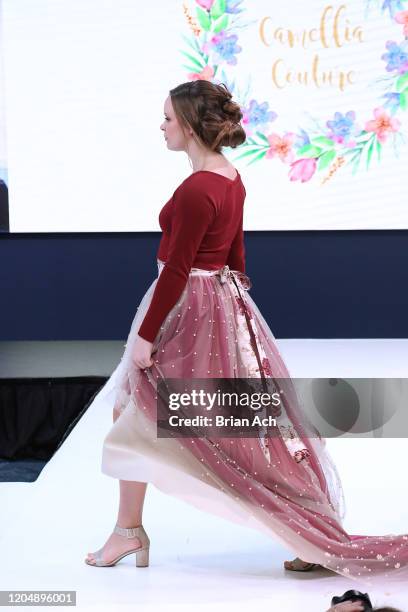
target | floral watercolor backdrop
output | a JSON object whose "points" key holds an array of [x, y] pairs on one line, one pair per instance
{"points": [[213, 46], [324, 110]]}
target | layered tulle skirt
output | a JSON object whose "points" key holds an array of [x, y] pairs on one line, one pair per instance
{"points": [[284, 484]]}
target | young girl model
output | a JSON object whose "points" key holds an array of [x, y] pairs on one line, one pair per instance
{"points": [[198, 321]]}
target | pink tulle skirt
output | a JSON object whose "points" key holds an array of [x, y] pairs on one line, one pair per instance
{"points": [[285, 485]]}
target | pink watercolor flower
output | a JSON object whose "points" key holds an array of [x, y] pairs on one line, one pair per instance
{"points": [[402, 17], [205, 4], [382, 124], [205, 75], [303, 169], [281, 146]]}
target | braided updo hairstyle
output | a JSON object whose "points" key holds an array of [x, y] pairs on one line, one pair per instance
{"points": [[209, 110]]}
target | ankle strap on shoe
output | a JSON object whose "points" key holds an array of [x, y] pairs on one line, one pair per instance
{"points": [[127, 532]]}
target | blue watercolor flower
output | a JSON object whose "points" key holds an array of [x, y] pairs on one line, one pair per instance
{"points": [[232, 6], [393, 101], [342, 128], [223, 47], [393, 6], [397, 56], [302, 139], [257, 116]]}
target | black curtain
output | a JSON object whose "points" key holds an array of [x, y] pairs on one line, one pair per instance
{"points": [[36, 415]]}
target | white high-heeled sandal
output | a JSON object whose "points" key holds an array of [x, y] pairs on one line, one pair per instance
{"points": [[142, 553]]}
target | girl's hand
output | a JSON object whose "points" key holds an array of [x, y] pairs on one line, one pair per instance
{"points": [[142, 353]]}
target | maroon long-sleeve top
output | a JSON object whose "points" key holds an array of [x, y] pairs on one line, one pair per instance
{"points": [[202, 227]]}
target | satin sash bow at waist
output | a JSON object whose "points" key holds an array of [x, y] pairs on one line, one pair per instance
{"points": [[242, 279], [224, 273]]}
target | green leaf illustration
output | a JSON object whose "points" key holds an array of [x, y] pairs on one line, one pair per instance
{"points": [[351, 151], [192, 43], [260, 155], [325, 159], [262, 137], [402, 82], [217, 9], [323, 142], [404, 100], [378, 146], [356, 161], [364, 136], [369, 153], [250, 152], [220, 24], [203, 18], [196, 62], [189, 68], [309, 151]]}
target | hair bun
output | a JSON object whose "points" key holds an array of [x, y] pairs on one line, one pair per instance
{"points": [[209, 110], [232, 110], [227, 106]]}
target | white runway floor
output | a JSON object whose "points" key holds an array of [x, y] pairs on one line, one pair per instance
{"points": [[198, 561]]}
